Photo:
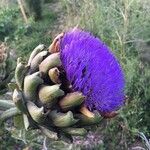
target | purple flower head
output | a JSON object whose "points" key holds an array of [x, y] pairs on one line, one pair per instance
{"points": [[92, 69]]}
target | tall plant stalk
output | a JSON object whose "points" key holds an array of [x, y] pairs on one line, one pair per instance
{"points": [[22, 11]]}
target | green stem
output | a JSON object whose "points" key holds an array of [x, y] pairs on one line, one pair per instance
{"points": [[6, 104], [9, 113], [50, 134]]}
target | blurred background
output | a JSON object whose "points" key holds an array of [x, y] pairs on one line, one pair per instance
{"points": [[124, 25]]}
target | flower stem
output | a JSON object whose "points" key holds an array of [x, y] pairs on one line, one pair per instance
{"points": [[9, 113], [6, 104]]}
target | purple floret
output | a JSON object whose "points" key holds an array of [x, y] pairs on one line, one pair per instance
{"points": [[92, 69]]}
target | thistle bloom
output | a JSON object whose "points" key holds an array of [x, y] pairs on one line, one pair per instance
{"points": [[92, 69], [45, 97]]}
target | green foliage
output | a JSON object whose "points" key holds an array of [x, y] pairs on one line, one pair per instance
{"points": [[7, 142], [11, 24], [7, 25], [21, 37], [27, 37]]}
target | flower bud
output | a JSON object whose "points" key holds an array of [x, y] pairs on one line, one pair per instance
{"points": [[49, 94], [63, 119], [71, 100]]}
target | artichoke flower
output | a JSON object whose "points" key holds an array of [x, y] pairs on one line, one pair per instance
{"points": [[69, 86], [5, 67]]}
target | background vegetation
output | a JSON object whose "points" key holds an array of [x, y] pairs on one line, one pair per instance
{"points": [[125, 27]]}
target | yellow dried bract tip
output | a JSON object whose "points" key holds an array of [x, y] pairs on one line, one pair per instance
{"points": [[86, 112], [54, 47]]}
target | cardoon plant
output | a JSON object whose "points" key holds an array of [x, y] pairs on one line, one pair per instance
{"points": [[70, 86]]}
